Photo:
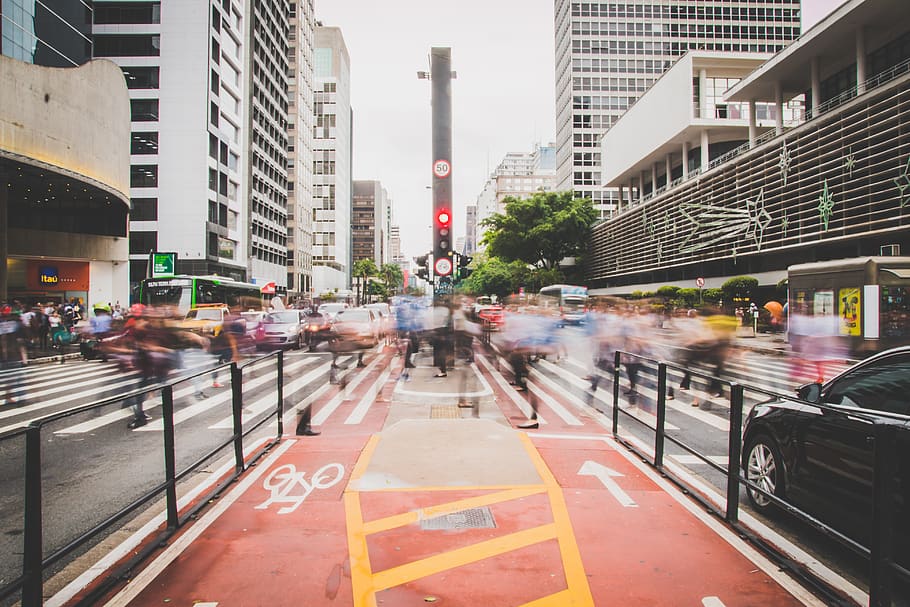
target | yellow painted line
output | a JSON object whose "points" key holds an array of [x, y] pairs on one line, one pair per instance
{"points": [[576, 580], [560, 599], [409, 518], [447, 488], [409, 572], [359, 554], [364, 460]]}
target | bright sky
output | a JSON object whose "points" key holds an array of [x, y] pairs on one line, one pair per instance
{"points": [[503, 98]]}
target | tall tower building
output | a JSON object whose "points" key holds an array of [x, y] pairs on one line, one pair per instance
{"points": [[332, 163], [370, 222], [266, 121], [187, 65], [301, 42], [608, 54]]}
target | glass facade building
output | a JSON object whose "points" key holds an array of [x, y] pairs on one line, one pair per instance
{"points": [[609, 54], [52, 33]]}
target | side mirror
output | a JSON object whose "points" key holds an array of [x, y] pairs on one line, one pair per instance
{"points": [[810, 392]]}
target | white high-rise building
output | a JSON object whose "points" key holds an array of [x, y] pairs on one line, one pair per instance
{"points": [[332, 143], [301, 43], [208, 86], [267, 123], [608, 54], [518, 175]]}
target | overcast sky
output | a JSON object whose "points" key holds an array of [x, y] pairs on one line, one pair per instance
{"points": [[502, 100]]}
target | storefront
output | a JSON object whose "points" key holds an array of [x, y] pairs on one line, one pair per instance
{"points": [[33, 281]]}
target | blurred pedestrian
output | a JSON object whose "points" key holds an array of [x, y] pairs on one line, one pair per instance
{"points": [[153, 356], [13, 354]]}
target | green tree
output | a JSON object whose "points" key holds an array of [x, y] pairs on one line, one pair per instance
{"points": [[687, 297], [392, 276], [363, 269], [492, 277], [739, 288], [540, 230]]}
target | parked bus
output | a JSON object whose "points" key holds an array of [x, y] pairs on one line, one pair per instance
{"points": [[185, 292], [868, 296], [569, 300]]}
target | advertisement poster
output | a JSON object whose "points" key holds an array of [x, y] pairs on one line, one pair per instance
{"points": [[823, 304], [849, 301]]}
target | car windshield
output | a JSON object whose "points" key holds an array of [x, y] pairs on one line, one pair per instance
{"points": [[331, 308], [353, 316], [204, 314], [290, 316]]}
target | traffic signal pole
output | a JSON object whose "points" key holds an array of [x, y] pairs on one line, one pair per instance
{"points": [[441, 83]]}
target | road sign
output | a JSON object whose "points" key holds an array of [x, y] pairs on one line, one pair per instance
{"points": [[443, 266], [442, 168], [699, 282]]}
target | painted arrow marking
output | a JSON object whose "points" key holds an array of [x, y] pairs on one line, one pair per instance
{"points": [[606, 476]]}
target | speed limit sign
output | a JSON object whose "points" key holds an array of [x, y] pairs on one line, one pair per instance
{"points": [[442, 168]]}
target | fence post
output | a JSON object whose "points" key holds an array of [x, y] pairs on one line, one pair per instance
{"points": [[280, 394], [661, 416], [170, 456], [881, 557], [33, 553], [734, 452], [616, 359], [237, 412]]}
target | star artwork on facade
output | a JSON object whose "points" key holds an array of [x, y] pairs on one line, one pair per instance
{"points": [[784, 223], [825, 205], [903, 184], [784, 162], [849, 162], [712, 224]]}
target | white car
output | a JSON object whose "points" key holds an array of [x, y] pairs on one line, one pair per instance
{"points": [[331, 309]]}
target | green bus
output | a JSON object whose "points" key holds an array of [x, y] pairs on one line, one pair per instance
{"points": [[184, 292]]}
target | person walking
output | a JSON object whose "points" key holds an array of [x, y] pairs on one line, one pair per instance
{"points": [[153, 356]]}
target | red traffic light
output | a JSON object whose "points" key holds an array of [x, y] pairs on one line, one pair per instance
{"points": [[443, 218]]}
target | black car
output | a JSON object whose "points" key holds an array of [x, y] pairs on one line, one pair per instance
{"points": [[816, 451]]}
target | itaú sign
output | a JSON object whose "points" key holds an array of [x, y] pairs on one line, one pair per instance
{"points": [[57, 275]]}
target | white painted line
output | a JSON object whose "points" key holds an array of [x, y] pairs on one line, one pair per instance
{"points": [[330, 407], [103, 566], [553, 404], [708, 601], [690, 460], [368, 399], [521, 403], [174, 550]]}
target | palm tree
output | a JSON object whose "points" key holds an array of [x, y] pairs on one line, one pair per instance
{"points": [[363, 269], [392, 276]]}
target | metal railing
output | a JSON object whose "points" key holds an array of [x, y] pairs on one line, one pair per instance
{"points": [[35, 564], [883, 570]]}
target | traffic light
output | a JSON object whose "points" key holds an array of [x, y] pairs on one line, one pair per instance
{"points": [[423, 268], [442, 242], [463, 270]]}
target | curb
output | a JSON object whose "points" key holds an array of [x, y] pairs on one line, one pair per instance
{"points": [[58, 358]]}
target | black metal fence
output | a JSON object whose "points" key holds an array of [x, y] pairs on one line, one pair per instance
{"points": [[883, 570], [24, 449]]}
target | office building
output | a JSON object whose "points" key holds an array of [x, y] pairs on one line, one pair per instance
{"points": [[64, 159], [370, 221], [265, 105], [470, 230], [332, 162], [609, 54], [301, 41], [832, 184], [518, 175]]}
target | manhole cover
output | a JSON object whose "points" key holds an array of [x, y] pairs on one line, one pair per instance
{"points": [[473, 518], [444, 412]]}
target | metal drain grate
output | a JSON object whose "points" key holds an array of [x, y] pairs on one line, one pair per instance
{"points": [[473, 518], [444, 412]]}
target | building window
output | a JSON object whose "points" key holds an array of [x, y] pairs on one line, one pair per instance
{"points": [[144, 176], [127, 12], [141, 77], [143, 242], [144, 209], [143, 110], [144, 143], [127, 45]]}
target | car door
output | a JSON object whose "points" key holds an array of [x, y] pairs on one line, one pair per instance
{"points": [[839, 442]]}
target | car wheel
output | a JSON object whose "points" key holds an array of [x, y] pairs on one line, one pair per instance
{"points": [[297, 343], [765, 468]]}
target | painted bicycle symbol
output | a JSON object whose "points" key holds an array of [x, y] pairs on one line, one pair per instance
{"points": [[285, 479]]}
